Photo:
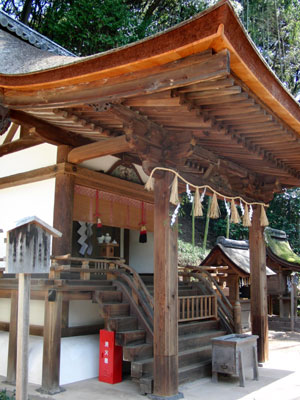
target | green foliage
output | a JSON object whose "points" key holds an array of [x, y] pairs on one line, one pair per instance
{"points": [[5, 396], [274, 26], [189, 255], [284, 214], [87, 26]]}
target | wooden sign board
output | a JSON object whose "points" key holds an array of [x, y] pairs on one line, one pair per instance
{"points": [[28, 246]]}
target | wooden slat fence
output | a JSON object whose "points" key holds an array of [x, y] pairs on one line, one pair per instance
{"points": [[192, 308]]}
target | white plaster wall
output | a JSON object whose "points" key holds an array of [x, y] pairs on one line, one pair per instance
{"points": [[4, 352], [36, 311], [28, 159], [79, 358], [141, 256], [83, 312], [4, 310]]}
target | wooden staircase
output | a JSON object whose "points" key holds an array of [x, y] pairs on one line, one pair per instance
{"points": [[136, 338], [126, 305]]}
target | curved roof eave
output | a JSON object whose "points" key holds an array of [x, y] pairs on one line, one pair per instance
{"points": [[217, 28]]}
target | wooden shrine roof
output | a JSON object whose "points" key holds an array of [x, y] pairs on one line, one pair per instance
{"points": [[231, 253], [198, 98], [279, 250]]}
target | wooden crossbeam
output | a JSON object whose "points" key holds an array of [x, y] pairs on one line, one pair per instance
{"points": [[20, 144], [102, 148]]}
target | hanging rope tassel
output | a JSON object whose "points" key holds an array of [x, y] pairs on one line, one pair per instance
{"points": [[174, 199], [235, 218], [97, 214], [263, 217], [143, 230], [246, 218], [198, 211], [149, 184], [214, 209]]}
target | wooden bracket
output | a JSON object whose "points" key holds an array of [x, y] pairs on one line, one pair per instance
{"points": [[4, 119]]}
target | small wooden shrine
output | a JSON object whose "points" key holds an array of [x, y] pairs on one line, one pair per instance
{"points": [[229, 260]]}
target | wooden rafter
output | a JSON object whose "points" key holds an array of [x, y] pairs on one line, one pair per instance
{"points": [[219, 128], [47, 132]]}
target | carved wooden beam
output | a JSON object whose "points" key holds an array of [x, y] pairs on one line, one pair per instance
{"points": [[4, 119], [102, 148], [47, 132], [135, 123]]}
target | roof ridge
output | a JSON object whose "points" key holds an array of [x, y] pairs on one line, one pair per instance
{"points": [[31, 36]]}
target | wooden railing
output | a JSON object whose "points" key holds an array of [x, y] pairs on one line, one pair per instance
{"points": [[126, 278], [192, 308], [209, 286]]}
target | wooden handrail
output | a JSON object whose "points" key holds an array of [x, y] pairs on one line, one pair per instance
{"points": [[199, 269], [139, 291], [138, 280], [225, 308]]}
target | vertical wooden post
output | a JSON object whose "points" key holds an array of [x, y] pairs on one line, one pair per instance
{"points": [[165, 295], [292, 307], [51, 350], [12, 346], [63, 208], [23, 337], [259, 310]]}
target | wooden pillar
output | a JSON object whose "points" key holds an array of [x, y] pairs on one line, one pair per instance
{"points": [[23, 337], [259, 306], [165, 295], [12, 345], [63, 207], [51, 349]]}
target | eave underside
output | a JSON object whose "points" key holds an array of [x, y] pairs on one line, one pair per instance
{"points": [[193, 115]]}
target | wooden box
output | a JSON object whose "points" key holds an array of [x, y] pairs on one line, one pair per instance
{"points": [[28, 246], [232, 354]]}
